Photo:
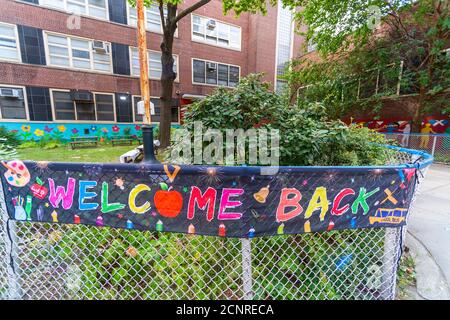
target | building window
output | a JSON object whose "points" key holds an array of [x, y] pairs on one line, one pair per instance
{"points": [[214, 73], [9, 45], [312, 46], [101, 108], [214, 32], [92, 8], [154, 64], [157, 116], [78, 53], [285, 32], [151, 15], [12, 103]]}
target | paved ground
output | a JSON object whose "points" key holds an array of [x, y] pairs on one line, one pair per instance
{"points": [[430, 220]]}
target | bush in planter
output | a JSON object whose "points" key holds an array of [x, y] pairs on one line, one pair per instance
{"points": [[7, 151], [307, 136], [10, 137]]}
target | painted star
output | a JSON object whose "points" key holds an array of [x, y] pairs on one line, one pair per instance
{"points": [[46, 205]]}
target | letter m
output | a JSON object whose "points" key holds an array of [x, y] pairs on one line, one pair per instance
{"points": [[208, 199]]}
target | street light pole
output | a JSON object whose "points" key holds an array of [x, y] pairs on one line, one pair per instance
{"points": [[147, 129]]}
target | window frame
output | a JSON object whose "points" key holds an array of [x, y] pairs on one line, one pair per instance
{"points": [[52, 102], [87, 6], [145, 19], [25, 102], [217, 62], [70, 53], [193, 39], [18, 48], [131, 48], [151, 97]]}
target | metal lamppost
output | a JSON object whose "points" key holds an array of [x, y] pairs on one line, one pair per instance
{"points": [[147, 128]]}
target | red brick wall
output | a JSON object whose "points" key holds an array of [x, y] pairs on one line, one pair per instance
{"points": [[257, 53]]}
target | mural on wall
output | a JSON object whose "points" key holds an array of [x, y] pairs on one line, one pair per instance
{"points": [[387, 125], [216, 201], [439, 125], [65, 131], [37, 131], [430, 125]]}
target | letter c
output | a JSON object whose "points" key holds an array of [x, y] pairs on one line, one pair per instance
{"points": [[132, 199]]}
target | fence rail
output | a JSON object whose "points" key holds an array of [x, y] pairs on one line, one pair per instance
{"points": [[52, 261], [438, 145]]}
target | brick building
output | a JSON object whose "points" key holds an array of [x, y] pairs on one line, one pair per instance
{"points": [[77, 74]]}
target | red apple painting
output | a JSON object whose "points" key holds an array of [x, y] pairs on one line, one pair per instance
{"points": [[168, 202], [38, 189]]}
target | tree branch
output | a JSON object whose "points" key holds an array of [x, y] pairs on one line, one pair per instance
{"points": [[161, 13], [190, 9]]}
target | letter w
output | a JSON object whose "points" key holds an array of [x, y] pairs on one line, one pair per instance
{"points": [[61, 194]]}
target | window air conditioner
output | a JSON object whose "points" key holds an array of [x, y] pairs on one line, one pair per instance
{"points": [[211, 66], [10, 93], [100, 47], [211, 25], [81, 96]]}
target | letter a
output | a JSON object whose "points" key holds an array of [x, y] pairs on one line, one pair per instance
{"points": [[318, 200]]}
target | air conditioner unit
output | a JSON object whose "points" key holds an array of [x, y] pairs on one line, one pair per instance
{"points": [[81, 96], [211, 25], [211, 66], [10, 93], [100, 46]]}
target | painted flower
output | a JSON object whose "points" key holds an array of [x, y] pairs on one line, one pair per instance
{"points": [[94, 128], [48, 129], [104, 130], [62, 128], [26, 128], [74, 131], [14, 131], [39, 132], [137, 127], [115, 129]]}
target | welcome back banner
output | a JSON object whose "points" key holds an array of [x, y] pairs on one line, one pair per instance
{"points": [[217, 201]]}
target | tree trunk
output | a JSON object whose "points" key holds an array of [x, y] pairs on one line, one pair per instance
{"points": [[168, 76], [167, 79], [417, 116]]}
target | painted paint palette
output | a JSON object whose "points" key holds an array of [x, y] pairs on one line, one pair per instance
{"points": [[17, 174]]}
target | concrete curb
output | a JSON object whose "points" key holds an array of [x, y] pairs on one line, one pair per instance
{"points": [[431, 282]]}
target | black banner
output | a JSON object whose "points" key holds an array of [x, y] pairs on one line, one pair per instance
{"points": [[217, 201]]}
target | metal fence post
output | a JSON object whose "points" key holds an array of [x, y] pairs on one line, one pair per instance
{"points": [[389, 261], [10, 240], [434, 146], [247, 269]]}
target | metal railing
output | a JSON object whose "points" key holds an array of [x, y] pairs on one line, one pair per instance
{"points": [[438, 145], [52, 261]]}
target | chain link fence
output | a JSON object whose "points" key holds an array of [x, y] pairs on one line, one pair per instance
{"points": [[438, 145], [51, 261]]}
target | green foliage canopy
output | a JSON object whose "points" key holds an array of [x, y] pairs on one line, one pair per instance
{"points": [[308, 136]]}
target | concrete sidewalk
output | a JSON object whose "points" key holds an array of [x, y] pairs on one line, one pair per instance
{"points": [[429, 239]]}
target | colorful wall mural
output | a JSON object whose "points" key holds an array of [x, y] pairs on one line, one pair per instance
{"points": [[37, 131], [433, 125]]}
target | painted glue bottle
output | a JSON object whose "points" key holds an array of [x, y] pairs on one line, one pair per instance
{"points": [[222, 230], [159, 226]]}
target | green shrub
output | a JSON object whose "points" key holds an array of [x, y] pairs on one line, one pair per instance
{"points": [[52, 145], [10, 137], [7, 151], [28, 144], [307, 135]]}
